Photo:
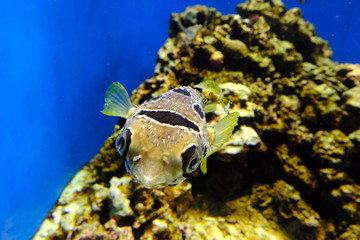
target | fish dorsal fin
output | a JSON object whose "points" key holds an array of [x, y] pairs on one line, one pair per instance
{"points": [[219, 135], [213, 96], [117, 101]]}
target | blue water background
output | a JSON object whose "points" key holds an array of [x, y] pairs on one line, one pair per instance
{"points": [[56, 60]]}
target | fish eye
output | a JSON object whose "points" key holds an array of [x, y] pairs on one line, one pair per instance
{"points": [[122, 142], [193, 164], [191, 159]]}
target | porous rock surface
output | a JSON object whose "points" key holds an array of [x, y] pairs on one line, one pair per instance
{"points": [[291, 168]]}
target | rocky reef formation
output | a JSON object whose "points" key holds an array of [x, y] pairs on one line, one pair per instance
{"points": [[291, 168]]}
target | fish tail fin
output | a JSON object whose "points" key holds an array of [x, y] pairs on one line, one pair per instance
{"points": [[117, 101]]}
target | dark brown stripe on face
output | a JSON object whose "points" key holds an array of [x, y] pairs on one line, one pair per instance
{"points": [[171, 118], [182, 91], [199, 110]]}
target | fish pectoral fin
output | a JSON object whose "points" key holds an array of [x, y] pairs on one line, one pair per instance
{"points": [[203, 165], [222, 132], [117, 101]]}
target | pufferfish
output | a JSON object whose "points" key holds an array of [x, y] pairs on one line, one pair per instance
{"points": [[167, 137]]}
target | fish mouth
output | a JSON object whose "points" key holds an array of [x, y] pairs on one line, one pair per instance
{"points": [[151, 182], [148, 177]]}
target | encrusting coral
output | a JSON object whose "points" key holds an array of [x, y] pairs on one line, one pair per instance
{"points": [[290, 170]]}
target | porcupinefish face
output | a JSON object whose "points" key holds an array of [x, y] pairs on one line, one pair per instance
{"points": [[165, 138]]}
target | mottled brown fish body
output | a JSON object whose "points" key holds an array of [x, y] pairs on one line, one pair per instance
{"points": [[163, 131]]}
